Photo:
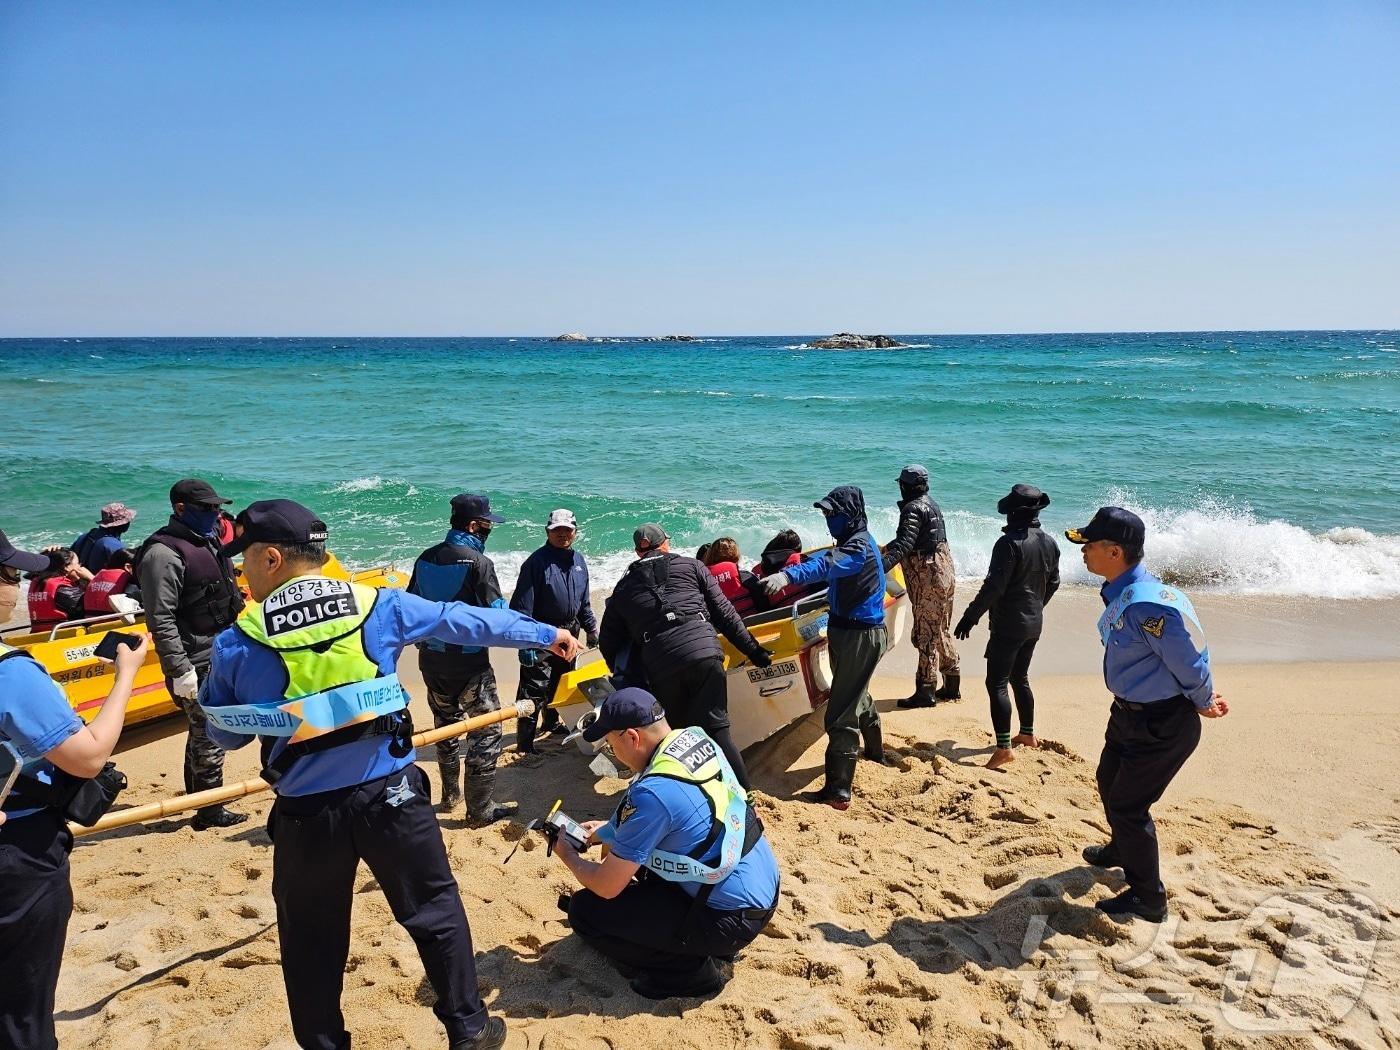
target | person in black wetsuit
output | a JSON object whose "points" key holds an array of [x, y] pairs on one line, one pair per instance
{"points": [[666, 608], [1023, 576]]}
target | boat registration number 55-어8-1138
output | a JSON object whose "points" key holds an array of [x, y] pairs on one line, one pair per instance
{"points": [[781, 670]]}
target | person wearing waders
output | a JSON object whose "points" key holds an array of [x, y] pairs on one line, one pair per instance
{"points": [[856, 638]]}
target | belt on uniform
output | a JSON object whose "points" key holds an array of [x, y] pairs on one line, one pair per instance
{"points": [[1131, 705]]}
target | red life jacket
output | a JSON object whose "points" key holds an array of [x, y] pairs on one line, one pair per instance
{"points": [[726, 574], [790, 593], [105, 584], [43, 601]]}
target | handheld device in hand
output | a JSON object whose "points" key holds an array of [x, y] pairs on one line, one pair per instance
{"points": [[10, 765], [107, 648], [552, 826], [558, 823]]}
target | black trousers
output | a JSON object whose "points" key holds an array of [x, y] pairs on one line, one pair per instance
{"points": [[647, 928], [696, 694], [1009, 662], [1142, 751], [36, 900], [537, 683], [318, 843]]}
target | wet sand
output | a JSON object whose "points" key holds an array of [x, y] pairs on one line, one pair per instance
{"points": [[949, 906]]}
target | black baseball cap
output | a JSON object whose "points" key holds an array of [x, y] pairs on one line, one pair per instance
{"points": [[1111, 523], [476, 508], [630, 708], [195, 490], [274, 521], [14, 558], [914, 474], [648, 537]]}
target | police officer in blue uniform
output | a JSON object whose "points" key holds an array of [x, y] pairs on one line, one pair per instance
{"points": [[1162, 688], [311, 662], [36, 895], [690, 878]]}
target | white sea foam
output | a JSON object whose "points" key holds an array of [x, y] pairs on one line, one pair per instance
{"points": [[368, 484], [1212, 545]]}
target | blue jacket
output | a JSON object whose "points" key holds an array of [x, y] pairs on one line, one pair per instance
{"points": [[1150, 655], [456, 570], [853, 568], [243, 672], [95, 547], [553, 588]]}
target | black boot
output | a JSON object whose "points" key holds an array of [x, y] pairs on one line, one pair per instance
{"points": [[525, 735], [836, 792], [951, 688], [924, 696], [449, 775], [216, 817], [482, 809], [874, 739]]}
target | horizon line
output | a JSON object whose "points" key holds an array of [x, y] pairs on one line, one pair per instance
{"points": [[725, 335]]}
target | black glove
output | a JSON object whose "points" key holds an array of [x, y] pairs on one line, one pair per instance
{"points": [[592, 640], [964, 628], [762, 658]]}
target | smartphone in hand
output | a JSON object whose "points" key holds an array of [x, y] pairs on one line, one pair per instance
{"points": [[107, 648]]}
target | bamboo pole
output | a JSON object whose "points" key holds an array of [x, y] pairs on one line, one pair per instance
{"points": [[230, 792]]}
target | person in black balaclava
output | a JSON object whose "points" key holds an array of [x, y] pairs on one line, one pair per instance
{"points": [[1023, 575], [920, 546], [856, 638]]}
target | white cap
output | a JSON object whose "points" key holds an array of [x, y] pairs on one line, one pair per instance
{"points": [[561, 519]]}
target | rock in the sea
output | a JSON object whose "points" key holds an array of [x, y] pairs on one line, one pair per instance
{"points": [[677, 339], [570, 337], [851, 341]]}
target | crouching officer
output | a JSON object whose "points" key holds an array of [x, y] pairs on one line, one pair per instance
{"points": [[706, 880], [1161, 687], [311, 663]]}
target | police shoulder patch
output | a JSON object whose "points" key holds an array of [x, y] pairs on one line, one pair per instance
{"points": [[625, 811], [1153, 625]]}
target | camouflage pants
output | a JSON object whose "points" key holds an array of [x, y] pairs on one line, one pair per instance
{"points": [[454, 698], [204, 759], [929, 578]]}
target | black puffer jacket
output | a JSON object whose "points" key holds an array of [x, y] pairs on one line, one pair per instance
{"points": [[920, 531], [635, 616], [1023, 576]]}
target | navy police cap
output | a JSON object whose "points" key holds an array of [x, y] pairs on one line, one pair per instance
{"points": [[630, 708], [1114, 524], [274, 521]]}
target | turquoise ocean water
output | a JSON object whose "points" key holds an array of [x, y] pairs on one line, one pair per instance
{"points": [[1263, 462]]}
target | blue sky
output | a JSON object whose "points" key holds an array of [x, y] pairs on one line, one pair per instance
{"points": [[533, 168]]}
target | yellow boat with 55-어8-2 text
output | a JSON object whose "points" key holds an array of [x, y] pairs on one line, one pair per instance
{"points": [[761, 700], [66, 652]]}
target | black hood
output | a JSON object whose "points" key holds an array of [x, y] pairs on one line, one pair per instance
{"points": [[847, 500]]}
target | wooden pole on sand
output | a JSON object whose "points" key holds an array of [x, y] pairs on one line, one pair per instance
{"points": [[229, 792]]}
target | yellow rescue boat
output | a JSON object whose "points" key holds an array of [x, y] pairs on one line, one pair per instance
{"points": [[66, 652], [762, 700]]}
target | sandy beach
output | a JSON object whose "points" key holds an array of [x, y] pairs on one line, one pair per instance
{"points": [[949, 906]]}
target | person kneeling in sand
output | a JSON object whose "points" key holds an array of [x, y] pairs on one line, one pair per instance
{"points": [[690, 877]]}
